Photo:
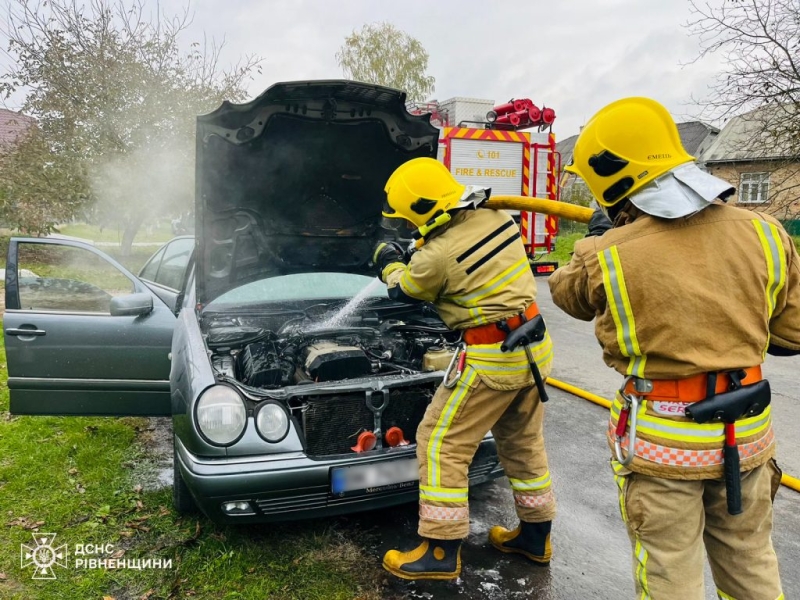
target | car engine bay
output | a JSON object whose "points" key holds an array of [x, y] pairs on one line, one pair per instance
{"points": [[270, 351]]}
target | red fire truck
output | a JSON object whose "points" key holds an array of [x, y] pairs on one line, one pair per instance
{"points": [[486, 144]]}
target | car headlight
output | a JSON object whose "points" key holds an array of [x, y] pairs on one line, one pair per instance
{"points": [[221, 415], [272, 422]]}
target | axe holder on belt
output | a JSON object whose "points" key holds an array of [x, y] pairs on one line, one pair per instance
{"points": [[738, 402], [528, 333]]}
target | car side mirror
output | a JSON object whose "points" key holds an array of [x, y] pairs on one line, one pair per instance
{"points": [[131, 305]]}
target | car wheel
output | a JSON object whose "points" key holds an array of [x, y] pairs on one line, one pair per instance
{"points": [[181, 496]]}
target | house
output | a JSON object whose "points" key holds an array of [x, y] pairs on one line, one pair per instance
{"points": [[12, 126], [764, 170]]}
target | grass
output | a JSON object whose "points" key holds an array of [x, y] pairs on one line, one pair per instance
{"points": [[159, 234], [75, 477], [564, 246]]}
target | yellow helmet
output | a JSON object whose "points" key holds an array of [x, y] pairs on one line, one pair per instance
{"points": [[625, 146], [419, 189]]}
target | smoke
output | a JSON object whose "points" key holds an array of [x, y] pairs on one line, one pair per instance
{"points": [[138, 187]]}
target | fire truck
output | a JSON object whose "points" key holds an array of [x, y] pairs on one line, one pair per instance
{"points": [[509, 147]]}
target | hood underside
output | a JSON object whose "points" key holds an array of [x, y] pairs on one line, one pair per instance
{"points": [[293, 181]]}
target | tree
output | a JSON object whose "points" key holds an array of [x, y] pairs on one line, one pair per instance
{"points": [[382, 54], [115, 98], [760, 42]]}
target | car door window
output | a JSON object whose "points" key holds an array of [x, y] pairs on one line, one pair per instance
{"points": [[68, 279], [173, 264], [149, 271]]}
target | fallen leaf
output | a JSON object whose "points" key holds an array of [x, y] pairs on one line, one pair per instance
{"points": [[2, 576], [137, 488], [109, 598], [118, 554], [147, 594], [126, 533], [139, 504], [73, 471], [163, 511], [80, 488]]}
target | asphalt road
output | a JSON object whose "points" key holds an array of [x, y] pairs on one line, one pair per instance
{"points": [[591, 551]]}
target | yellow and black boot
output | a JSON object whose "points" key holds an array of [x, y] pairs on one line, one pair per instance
{"points": [[532, 540], [432, 559]]}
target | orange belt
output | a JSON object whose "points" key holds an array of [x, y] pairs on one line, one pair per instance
{"points": [[691, 389], [491, 332]]}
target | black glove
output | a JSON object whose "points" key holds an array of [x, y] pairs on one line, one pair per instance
{"points": [[385, 254], [599, 223]]}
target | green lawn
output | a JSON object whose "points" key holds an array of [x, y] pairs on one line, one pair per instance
{"points": [[76, 477], [564, 245], [92, 232]]}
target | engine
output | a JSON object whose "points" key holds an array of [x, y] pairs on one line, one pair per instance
{"points": [[260, 357]]}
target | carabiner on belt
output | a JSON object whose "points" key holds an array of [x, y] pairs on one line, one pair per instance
{"points": [[630, 411], [458, 361]]}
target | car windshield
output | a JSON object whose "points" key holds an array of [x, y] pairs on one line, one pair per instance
{"points": [[302, 286]]}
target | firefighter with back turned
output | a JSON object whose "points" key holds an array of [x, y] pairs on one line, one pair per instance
{"points": [[688, 295]]}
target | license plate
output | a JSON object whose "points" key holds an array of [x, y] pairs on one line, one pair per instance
{"points": [[375, 477]]}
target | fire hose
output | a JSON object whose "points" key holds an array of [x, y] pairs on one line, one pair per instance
{"points": [[573, 212], [786, 480]]}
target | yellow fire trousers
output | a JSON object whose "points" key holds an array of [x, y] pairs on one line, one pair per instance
{"points": [[669, 521], [448, 436]]}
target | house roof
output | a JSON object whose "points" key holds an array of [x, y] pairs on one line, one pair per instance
{"points": [[743, 138], [696, 136], [565, 148], [12, 125]]}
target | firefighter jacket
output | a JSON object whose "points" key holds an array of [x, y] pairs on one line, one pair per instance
{"points": [[475, 271], [677, 298]]}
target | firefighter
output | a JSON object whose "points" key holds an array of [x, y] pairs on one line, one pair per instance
{"points": [[473, 267], [689, 295]]}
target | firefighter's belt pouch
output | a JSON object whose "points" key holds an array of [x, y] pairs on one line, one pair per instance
{"points": [[739, 402], [529, 332]]}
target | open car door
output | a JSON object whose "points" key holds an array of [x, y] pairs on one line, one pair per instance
{"points": [[83, 336]]}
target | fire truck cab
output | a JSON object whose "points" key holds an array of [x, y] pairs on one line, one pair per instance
{"points": [[482, 143]]}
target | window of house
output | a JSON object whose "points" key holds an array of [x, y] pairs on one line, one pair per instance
{"points": [[754, 188]]}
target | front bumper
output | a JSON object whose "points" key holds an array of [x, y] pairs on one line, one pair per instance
{"points": [[293, 486]]}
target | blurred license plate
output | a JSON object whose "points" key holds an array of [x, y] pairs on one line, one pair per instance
{"points": [[376, 477]]}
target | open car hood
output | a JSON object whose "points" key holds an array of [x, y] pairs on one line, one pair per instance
{"points": [[293, 181]]}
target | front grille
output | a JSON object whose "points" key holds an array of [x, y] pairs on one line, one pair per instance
{"points": [[332, 423], [288, 504]]}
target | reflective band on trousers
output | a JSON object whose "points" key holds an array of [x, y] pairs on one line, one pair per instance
{"points": [[528, 485], [688, 431], [621, 311], [530, 501], [443, 513], [439, 494], [682, 457], [449, 411], [491, 359]]}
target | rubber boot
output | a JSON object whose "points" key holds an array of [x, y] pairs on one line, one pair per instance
{"points": [[532, 540], [432, 559]]}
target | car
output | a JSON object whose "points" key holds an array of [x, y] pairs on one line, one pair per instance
{"points": [[294, 383]]}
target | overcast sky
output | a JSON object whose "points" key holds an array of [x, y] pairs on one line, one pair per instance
{"points": [[573, 55]]}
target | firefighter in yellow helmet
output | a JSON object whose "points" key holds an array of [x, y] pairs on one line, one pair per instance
{"points": [[471, 264], [689, 295]]}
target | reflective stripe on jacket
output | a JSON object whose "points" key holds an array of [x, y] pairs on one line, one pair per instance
{"points": [[475, 271], [674, 298]]}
